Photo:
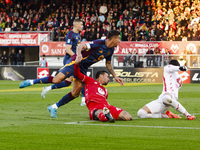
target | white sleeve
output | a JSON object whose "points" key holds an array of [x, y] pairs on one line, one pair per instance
{"points": [[171, 68], [88, 45]]}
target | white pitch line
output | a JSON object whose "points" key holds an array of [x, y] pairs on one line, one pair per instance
{"points": [[132, 126]]}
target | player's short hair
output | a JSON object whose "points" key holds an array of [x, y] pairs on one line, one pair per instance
{"points": [[100, 73], [174, 62], [113, 33], [77, 21]]}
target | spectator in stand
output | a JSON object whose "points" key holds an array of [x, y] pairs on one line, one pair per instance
{"points": [[127, 59], [166, 56], [157, 56], [149, 56], [92, 34], [164, 37], [101, 17], [93, 18], [20, 58], [22, 27], [170, 37], [178, 37], [195, 37], [8, 29], [43, 61], [125, 36], [4, 58], [103, 9], [158, 33], [13, 57], [87, 34]]}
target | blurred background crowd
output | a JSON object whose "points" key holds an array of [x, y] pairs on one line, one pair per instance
{"points": [[137, 20]]}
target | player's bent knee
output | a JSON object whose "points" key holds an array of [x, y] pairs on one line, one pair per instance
{"points": [[125, 116], [167, 99], [142, 113]]}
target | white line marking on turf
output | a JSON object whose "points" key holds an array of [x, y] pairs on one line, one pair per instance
{"points": [[133, 126]]}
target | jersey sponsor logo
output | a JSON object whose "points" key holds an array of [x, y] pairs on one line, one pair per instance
{"points": [[68, 41], [101, 51], [101, 91], [118, 109]]}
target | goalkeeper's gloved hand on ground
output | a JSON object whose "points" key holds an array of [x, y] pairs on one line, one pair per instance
{"points": [[183, 68]]}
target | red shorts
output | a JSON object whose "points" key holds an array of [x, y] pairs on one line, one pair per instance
{"points": [[92, 106]]}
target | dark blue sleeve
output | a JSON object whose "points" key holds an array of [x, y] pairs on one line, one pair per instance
{"points": [[69, 38], [95, 43], [108, 58]]}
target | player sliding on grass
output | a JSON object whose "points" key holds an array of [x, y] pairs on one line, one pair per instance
{"points": [[96, 97], [88, 54], [171, 85]]}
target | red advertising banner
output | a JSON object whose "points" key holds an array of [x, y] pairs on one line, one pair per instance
{"points": [[185, 76], [23, 39], [175, 47], [42, 72]]}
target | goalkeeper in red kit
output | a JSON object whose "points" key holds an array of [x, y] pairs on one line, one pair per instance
{"points": [[96, 97]]}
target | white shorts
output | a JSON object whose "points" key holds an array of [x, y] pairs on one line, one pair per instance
{"points": [[157, 106]]}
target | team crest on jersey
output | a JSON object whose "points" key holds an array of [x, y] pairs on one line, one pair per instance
{"points": [[101, 91], [101, 51], [67, 72]]}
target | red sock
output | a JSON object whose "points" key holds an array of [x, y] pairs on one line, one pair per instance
{"points": [[102, 117]]}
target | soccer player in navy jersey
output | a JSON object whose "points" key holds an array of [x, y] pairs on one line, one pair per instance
{"points": [[72, 40], [88, 54], [96, 97]]}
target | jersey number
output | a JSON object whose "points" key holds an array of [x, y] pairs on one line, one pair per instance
{"points": [[100, 58]]}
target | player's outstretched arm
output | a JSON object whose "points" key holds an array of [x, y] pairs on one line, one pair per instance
{"points": [[79, 56], [111, 70], [79, 75]]}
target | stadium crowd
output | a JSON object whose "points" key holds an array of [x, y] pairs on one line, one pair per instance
{"points": [[137, 20]]}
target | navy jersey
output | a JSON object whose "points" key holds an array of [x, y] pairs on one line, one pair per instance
{"points": [[96, 51], [74, 40]]}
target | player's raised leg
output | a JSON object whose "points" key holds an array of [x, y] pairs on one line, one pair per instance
{"points": [[77, 86], [50, 79], [64, 83]]}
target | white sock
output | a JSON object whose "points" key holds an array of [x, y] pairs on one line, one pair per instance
{"points": [[55, 106], [83, 100], [176, 105], [31, 81], [49, 88]]}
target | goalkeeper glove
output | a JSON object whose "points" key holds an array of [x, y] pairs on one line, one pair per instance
{"points": [[183, 68]]}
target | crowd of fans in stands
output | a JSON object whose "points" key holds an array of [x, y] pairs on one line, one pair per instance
{"points": [[137, 20]]}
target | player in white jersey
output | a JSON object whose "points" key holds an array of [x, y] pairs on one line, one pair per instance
{"points": [[171, 85]]}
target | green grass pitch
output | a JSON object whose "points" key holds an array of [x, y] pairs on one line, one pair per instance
{"points": [[25, 123]]}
